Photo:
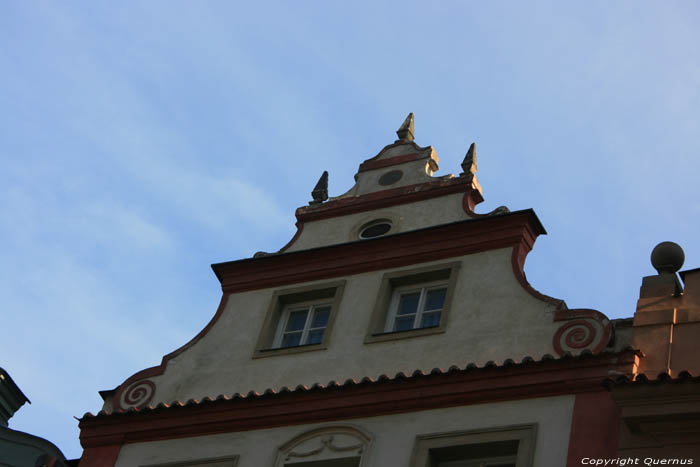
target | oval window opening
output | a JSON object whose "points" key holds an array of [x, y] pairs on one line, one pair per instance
{"points": [[375, 229]]}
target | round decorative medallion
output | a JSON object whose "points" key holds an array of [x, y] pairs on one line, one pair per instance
{"points": [[390, 178]]}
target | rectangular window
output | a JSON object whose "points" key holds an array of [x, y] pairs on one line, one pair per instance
{"points": [[231, 461], [495, 447], [344, 462], [416, 307], [302, 324], [413, 303], [299, 319]]}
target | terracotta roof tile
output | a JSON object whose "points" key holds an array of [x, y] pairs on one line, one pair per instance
{"points": [[642, 379], [490, 365]]}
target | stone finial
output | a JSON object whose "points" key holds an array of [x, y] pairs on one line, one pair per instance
{"points": [[469, 162], [405, 132], [667, 257], [320, 193]]}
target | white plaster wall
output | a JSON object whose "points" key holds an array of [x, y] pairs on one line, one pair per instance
{"points": [[394, 435], [406, 217], [414, 172], [492, 318]]}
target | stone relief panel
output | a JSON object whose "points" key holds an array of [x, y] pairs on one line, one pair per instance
{"points": [[333, 443]]}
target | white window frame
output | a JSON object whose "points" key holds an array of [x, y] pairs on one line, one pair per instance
{"points": [[311, 306], [423, 289]]}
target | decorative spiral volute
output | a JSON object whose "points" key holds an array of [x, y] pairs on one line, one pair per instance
{"points": [[138, 395], [574, 336]]}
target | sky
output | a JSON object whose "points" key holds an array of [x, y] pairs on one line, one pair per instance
{"points": [[142, 142]]}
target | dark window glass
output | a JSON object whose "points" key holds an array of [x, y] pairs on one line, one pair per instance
{"points": [[375, 230], [430, 319], [435, 299], [292, 339], [297, 319], [408, 304], [321, 317], [315, 337]]}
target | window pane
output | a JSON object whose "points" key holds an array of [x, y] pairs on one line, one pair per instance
{"points": [[315, 337], [291, 340], [435, 299], [321, 317], [430, 319], [404, 323], [297, 319], [408, 304]]}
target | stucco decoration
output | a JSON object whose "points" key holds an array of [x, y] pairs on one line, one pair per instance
{"points": [[136, 396], [326, 443], [581, 330]]}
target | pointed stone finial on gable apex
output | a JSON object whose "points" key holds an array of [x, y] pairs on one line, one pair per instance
{"points": [[320, 193], [405, 132], [469, 162]]}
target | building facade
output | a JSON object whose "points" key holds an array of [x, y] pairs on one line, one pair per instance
{"points": [[397, 328]]}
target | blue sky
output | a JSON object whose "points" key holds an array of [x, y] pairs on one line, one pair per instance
{"points": [[139, 143]]}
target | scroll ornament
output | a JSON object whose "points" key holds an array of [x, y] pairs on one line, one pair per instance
{"points": [[581, 330], [137, 395]]}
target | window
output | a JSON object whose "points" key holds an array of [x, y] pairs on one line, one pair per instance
{"points": [[496, 447], [302, 324], [344, 462], [213, 462], [375, 229], [414, 308], [299, 319], [413, 303]]}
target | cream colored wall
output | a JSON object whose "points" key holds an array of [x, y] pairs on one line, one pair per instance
{"points": [[414, 172], [405, 217], [393, 436], [492, 318]]}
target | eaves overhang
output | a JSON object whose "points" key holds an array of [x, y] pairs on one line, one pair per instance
{"points": [[345, 205], [514, 229], [665, 408], [383, 395]]}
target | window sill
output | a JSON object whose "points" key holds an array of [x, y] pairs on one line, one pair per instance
{"points": [[260, 353], [395, 335]]}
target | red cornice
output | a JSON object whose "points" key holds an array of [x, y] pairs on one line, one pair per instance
{"points": [[300, 227], [365, 399], [384, 198], [517, 229]]}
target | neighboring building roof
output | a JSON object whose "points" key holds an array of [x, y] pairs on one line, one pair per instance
{"points": [[641, 379], [665, 409], [11, 397], [17, 447]]}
